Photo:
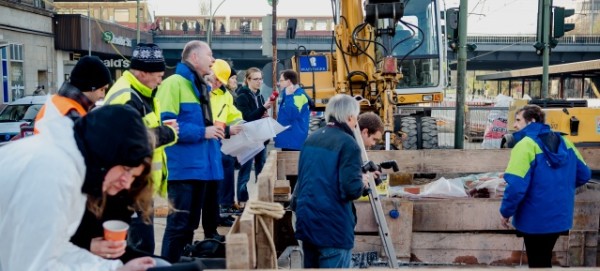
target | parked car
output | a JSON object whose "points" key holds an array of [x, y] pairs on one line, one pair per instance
{"points": [[20, 112]]}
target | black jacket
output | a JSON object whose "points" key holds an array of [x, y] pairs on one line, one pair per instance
{"points": [[250, 104], [91, 226]]}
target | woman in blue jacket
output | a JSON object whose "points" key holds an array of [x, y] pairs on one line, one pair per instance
{"points": [[542, 174], [329, 179]]}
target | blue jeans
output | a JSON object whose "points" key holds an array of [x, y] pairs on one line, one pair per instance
{"points": [[244, 174], [325, 257], [187, 198], [227, 186]]}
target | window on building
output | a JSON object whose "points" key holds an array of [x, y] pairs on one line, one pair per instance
{"points": [[321, 25], [121, 15], [16, 52], [39, 4], [309, 25]]}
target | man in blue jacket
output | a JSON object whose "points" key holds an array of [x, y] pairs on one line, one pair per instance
{"points": [[194, 162], [329, 179], [543, 171], [293, 111]]}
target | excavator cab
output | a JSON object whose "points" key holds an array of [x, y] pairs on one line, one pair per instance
{"points": [[388, 52]]}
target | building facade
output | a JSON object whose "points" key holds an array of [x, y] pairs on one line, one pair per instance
{"points": [[27, 59], [115, 11], [78, 35]]}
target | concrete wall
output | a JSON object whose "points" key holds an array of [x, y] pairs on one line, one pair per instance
{"points": [[32, 28]]}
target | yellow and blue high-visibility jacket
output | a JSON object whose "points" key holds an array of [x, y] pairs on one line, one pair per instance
{"points": [[293, 111], [129, 90], [223, 110], [542, 174], [185, 97]]}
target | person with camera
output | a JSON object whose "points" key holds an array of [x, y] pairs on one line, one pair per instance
{"points": [[330, 177], [371, 128]]}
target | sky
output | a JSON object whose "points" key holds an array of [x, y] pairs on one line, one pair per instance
{"points": [[506, 17]]}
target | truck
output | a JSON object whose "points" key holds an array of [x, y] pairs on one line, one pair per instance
{"points": [[389, 54]]}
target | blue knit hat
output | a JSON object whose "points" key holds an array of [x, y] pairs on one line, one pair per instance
{"points": [[148, 57]]}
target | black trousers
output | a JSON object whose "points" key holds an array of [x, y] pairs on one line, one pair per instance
{"points": [[539, 249]]}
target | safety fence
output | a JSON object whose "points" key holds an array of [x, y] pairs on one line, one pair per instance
{"points": [[483, 128]]}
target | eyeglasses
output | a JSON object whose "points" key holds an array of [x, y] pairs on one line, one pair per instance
{"points": [[256, 79], [282, 80]]}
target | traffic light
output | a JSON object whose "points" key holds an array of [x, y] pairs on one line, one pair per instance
{"points": [[539, 48], [267, 36], [559, 26], [452, 28], [471, 47]]}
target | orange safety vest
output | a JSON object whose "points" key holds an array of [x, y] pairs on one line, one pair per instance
{"points": [[64, 106]]}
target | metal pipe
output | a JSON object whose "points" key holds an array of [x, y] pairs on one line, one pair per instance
{"points": [[210, 22], [138, 20], [89, 32], [546, 53], [461, 75]]}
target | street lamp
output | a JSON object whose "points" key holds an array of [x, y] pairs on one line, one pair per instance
{"points": [[210, 22]]}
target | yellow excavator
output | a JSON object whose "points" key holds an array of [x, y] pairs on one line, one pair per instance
{"points": [[579, 122], [386, 53]]}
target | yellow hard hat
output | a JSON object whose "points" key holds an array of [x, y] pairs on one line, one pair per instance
{"points": [[221, 70]]}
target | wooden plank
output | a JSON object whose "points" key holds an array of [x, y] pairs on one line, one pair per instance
{"points": [[468, 214], [442, 161], [266, 257], [248, 228], [235, 227], [591, 155], [236, 251], [582, 250], [282, 187], [400, 229], [475, 248], [586, 212], [281, 170]]}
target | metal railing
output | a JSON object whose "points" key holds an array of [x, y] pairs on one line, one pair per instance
{"points": [[530, 39], [327, 36], [484, 125]]}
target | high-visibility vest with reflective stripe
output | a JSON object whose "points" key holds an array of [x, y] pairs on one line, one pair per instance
{"points": [[64, 106], [151, 120]]}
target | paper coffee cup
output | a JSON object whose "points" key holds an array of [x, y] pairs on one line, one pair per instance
{"points": [[220, 124], [115, 230], [169, 121]]}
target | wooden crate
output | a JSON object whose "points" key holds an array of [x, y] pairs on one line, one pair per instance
{"points": [[466, 230]]}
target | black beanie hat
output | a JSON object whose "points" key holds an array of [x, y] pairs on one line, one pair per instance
{"points": [[90, 74], [147, 57], [233, 72], [109, 136]]}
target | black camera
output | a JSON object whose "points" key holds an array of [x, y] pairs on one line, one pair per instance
{"points": [[370, 166]]}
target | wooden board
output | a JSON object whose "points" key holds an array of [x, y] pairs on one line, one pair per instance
{"points": [[248, 228], [282, 187], [439, 161], [266, 257], [236, 251], [400, 229], [459, 214], [476, 248]]}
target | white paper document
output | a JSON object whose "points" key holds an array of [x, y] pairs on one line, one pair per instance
{"points": [[246, 144]]}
